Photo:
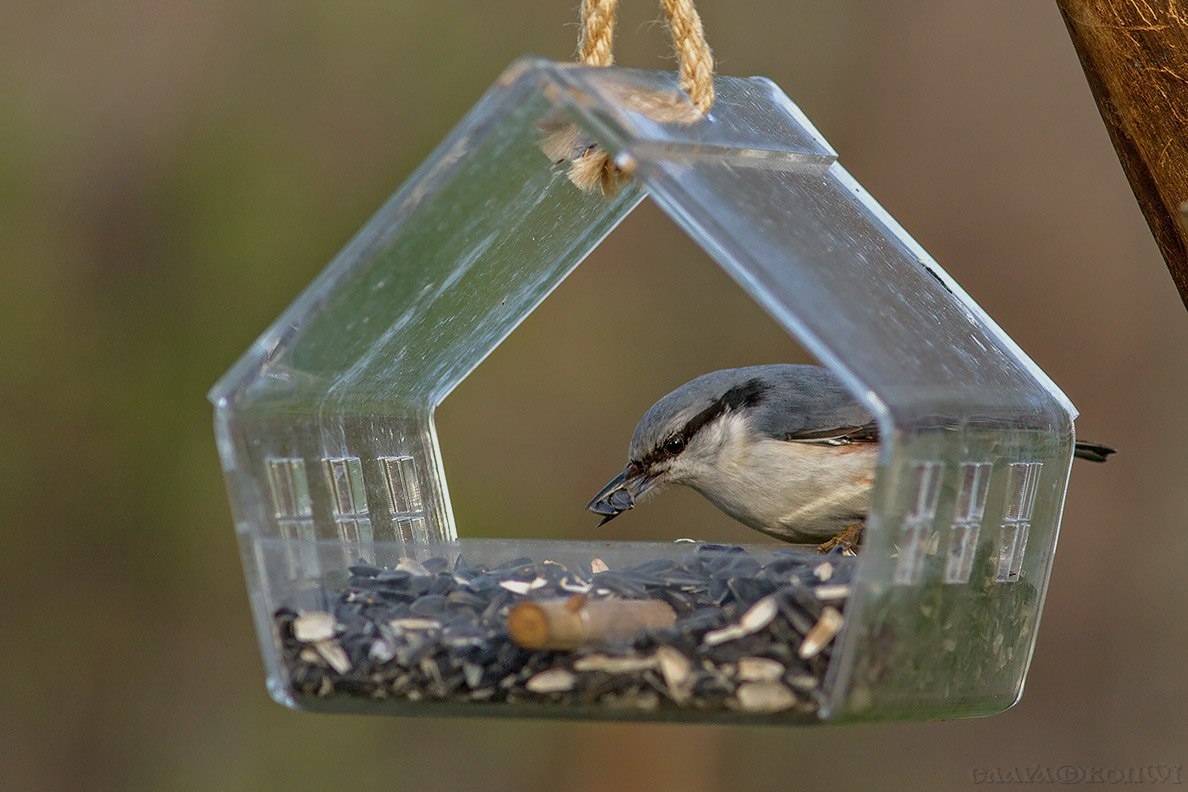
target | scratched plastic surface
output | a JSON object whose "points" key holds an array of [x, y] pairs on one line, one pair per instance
{"points": [[325, 426]]}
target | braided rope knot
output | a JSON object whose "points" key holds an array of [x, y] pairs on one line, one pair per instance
{"points": [[590, 166]]}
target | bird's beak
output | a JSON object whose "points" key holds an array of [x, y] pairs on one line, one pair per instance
{"points": [[621, 493]]}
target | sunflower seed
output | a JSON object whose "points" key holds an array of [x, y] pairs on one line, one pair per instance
{"points": [[764, 697], [677, 672], [314, 626], [473, 673], [381, 651], [614, 665], [822, 633], [413, 623], [523, 586], [759, 615], [759, 669], [832, 593], [334, 655], [555, 680], [413, 567]]}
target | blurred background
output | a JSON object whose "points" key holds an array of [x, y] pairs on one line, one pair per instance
{"points": [[173, 174]]}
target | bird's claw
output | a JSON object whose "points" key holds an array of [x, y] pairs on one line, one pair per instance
{"points": [[847, 539]]}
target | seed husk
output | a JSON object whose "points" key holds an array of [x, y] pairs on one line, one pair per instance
{"points": [[764, 697], [824, 631], [334, 655], [314, 626], [759, 669], [555, 680]]}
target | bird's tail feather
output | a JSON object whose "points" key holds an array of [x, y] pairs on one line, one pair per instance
{"points": [[1094, 452]]}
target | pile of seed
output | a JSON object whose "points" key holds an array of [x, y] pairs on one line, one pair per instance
{"points": [[749, 637]]}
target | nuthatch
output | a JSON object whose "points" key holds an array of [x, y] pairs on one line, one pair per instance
{"points": [[783, 449]]}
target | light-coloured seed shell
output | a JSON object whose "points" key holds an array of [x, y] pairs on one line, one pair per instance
{"points": [[598, 565], [430, 669], [522, 586], [381, 651], [555, 680], [334, 655], [677, 671], [755, 619], [764, 697], [824, 631], [830, 593], [413, 567], [414, 623], [759, 615], [614, 665], [802, 682], [824, 571], [473, 673], [574, 586], [759, 669], [647, 700], [314, 626], [728, 633]]}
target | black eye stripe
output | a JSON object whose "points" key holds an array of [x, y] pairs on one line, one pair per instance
{"points": [[749, 394]]}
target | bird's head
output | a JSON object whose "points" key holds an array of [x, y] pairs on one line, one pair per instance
{"points": [[681, 437]]}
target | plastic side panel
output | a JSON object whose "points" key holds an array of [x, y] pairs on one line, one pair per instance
{"points": [[325, 426], [976, 450], [952, 576], [445, 270], [820, 260]]}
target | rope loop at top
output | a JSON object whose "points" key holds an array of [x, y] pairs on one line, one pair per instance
{"points": [[694, 59], [591, 168]]}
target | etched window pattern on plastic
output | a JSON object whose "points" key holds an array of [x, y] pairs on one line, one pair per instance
{"points": [[404, 498], [288, 487], [1022, 484], [915, 535], [412, 529], [344, 475], [401, 484], [967, 522]]}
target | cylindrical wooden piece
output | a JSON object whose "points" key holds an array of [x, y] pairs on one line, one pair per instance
{"points": [[575, 622]]}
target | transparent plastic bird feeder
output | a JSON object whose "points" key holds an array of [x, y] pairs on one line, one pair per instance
{"points": [[368, 598]]}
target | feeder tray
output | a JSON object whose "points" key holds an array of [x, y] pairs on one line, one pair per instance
{"points": [[366, 600]]}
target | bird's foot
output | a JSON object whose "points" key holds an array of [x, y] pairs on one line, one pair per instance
{"points": [[847, 539]]}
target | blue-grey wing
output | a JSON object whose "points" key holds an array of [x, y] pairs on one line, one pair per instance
{"points": [[811, 406]]}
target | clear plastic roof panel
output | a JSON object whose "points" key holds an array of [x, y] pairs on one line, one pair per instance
{"points": [[325, 426]]}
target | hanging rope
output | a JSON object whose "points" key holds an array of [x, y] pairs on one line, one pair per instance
{"points": [[693, 53], [590, 166], [596, 44]]}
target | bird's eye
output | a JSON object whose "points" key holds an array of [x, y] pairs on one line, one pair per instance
{"points": [[674, 445]]}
